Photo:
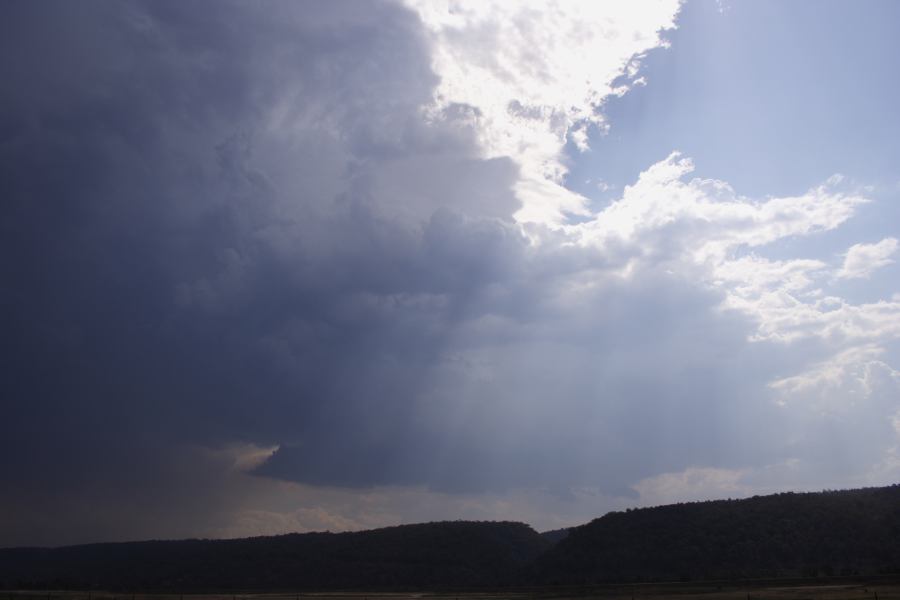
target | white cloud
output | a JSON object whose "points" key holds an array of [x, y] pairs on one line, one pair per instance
{"points": [[703, 227], [861, 260], [752, 276], [535, 73], [704, 220], [786, 318], [848, 377], [692, 484]]}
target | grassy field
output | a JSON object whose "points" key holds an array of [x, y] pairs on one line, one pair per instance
{"points": [[817, 590]]}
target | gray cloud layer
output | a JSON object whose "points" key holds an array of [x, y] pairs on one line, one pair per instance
{"points": [[226, 226]]}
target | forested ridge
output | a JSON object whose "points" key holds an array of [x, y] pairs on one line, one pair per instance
{"points": [[783, 535], [428, 555]]}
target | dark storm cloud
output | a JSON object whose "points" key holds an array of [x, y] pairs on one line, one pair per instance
{"points": [[137, 275], [163, 288]]}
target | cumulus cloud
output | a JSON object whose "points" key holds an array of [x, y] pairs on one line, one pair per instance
{"points": [[705, 218], [532, 75], [861, 260]]}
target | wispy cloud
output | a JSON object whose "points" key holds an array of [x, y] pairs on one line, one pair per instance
{"points": [[861, 260]]}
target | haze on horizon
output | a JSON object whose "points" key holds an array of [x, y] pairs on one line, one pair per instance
{"points": [[308, 265]]}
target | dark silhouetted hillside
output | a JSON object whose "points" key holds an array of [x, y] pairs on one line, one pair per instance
{"points": [[826, 533], [785, 535], [554, 536], [430, 555]]}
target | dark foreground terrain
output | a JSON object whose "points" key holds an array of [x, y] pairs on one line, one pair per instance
{"points": [[852, 534], [878, 588]]}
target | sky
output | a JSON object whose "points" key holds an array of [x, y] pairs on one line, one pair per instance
{"points": [[306, 266]]}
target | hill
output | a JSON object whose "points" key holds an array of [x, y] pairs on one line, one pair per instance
{"points": [[430, 555], [784, 535], [554, 536]]}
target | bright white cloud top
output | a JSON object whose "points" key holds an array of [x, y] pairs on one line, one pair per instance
{"points": [[532, 75]]}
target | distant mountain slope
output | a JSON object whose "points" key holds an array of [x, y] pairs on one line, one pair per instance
{"points": [[846, 532], [785, 535], [428, 555]]}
